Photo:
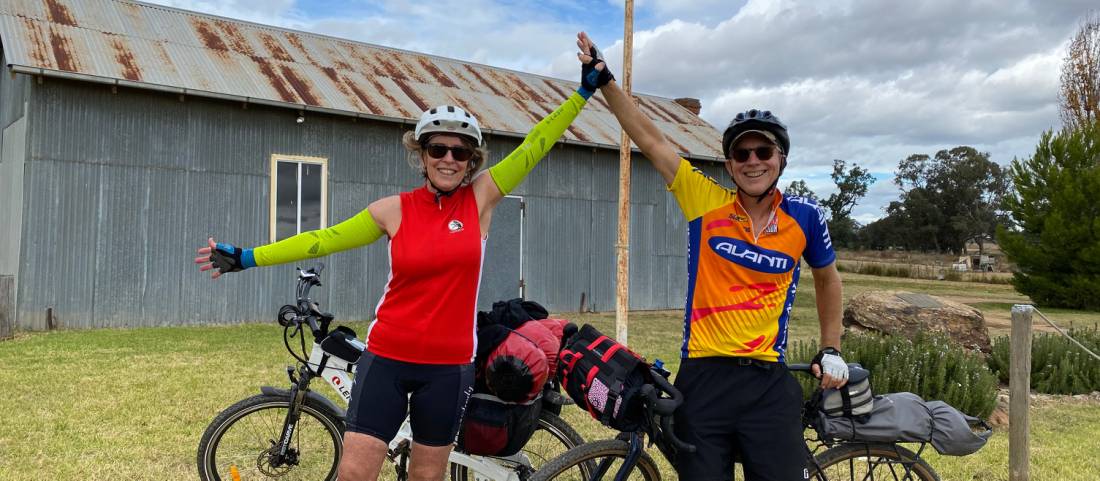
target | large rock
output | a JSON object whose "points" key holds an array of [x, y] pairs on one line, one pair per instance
{"points": [[906, 313]]}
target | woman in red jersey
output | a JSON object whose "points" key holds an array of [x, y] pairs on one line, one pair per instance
{"points": [[420, 346]]}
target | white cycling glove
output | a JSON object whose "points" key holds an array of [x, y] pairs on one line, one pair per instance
{"points": [[831, 363]]}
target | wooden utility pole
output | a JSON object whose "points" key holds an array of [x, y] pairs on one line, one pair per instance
{"points": [[622, 246], [1019, 393]]}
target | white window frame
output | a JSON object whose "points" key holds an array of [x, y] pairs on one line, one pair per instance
{"points": [[274, 189]]}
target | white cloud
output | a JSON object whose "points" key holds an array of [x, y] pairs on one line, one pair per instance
{"points": [[269, 12], [867, 81]]}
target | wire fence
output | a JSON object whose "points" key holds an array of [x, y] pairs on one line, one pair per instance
{"points": [[1064, 333]]}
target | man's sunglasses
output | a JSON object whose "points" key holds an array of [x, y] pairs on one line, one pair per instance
{"points": [[762, 153], [438, 151]]}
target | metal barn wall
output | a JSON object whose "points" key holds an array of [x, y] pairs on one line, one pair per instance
{"points": [[121, 188], [13, 151]]}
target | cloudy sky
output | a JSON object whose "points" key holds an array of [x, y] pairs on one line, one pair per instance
{"points": [[867, 81]]}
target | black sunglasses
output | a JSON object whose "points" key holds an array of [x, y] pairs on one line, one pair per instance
{"points": [[438, 151], [762, 153]]}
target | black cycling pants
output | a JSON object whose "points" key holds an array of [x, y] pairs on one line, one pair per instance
{"points": [[736, 406], [385, 389]]}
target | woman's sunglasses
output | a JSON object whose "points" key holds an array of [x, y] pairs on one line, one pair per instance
{"points": [[762, 153], [438, 151]]}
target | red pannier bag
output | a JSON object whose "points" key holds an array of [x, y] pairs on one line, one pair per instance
{"points": [[513, 367], [492, 427]]}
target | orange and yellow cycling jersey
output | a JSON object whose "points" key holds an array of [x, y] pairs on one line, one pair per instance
{"points": [[741, 288]]}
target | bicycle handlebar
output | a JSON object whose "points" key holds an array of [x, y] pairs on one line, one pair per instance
{"points": [[852, 367], [305, 310], [664, 407], [799, 367]]}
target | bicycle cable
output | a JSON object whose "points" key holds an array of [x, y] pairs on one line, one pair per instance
{"points": [[286, 342]]}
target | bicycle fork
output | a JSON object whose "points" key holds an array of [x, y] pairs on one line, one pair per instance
{"points": [[299, 386], [632, 454]]}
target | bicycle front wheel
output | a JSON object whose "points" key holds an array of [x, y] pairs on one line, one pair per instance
{"points": [[595, 461], [243, 441], [852, 462]]}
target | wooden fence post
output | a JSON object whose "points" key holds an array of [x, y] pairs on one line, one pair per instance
{"points": [[7, 307], [1019, 393]]}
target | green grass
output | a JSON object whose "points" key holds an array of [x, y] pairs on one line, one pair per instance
{"points": [[131, 404]]}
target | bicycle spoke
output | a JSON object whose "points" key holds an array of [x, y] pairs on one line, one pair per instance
{"points": [[612, 465], [251, 443], [871, 468], [597, 460]]}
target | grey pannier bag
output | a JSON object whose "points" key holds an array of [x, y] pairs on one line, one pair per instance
{"points": [[853, 399], [905, 417]]}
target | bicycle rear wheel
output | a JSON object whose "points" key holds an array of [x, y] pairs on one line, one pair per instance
{"points": [[871, 462], [597, 460], [552, 437], [244, 437]]}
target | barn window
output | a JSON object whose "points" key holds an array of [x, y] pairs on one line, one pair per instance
{"points": [[299, 188]]}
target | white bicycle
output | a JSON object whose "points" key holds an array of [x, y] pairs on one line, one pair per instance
{"points": [[297, 434]]}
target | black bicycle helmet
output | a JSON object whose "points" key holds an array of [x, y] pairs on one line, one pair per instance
{"points": [[755, 120]]}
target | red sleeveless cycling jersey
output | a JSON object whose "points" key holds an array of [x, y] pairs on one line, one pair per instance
{"points": [[428, 309]]}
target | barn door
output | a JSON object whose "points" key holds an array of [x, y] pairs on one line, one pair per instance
{"points": [[502, 271]]}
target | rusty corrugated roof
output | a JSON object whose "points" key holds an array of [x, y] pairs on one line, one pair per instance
{"points": [[151, 46]]}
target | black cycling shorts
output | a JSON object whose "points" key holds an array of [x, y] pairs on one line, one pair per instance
{"points": [[385, 389], [744, 408]]}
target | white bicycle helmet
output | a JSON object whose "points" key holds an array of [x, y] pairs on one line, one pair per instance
{"points": [[447, 119]]}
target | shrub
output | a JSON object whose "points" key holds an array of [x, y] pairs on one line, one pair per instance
{"points": [[1057, 365], [931, 366], [1053, 239], [919, 271]]}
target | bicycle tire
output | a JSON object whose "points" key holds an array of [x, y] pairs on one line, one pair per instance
{"points": [[244, 433], [562, 437], [871, 461], [570, 466]]}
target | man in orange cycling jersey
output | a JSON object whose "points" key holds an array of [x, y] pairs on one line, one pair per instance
{"points": [[745, 248]]}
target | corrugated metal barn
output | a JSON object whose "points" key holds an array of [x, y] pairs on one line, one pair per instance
{"points": [[131, 132]]}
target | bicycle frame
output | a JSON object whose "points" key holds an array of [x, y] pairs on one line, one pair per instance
{"points": [[667, 443], [339, 374]]}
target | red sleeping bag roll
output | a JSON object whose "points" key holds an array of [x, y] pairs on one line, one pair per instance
{"points": [[547, 334], [517, 369]]}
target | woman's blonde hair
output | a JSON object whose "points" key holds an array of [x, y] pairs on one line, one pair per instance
{"points": [[415, 150]]}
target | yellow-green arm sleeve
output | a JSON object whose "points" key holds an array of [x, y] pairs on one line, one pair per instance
{"points": [[357, 231], [696, 192], [509, 172]]}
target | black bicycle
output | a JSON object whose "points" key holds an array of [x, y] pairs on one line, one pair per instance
{"points": [[297, 434], [625, 457]]}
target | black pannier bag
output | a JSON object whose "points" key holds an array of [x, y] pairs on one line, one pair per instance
{"points": [[603, 377], [492, 427], [905, 417]]}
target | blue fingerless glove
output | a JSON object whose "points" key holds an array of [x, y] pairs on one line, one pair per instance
{"points": [[592, 78], [230, 258]]}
